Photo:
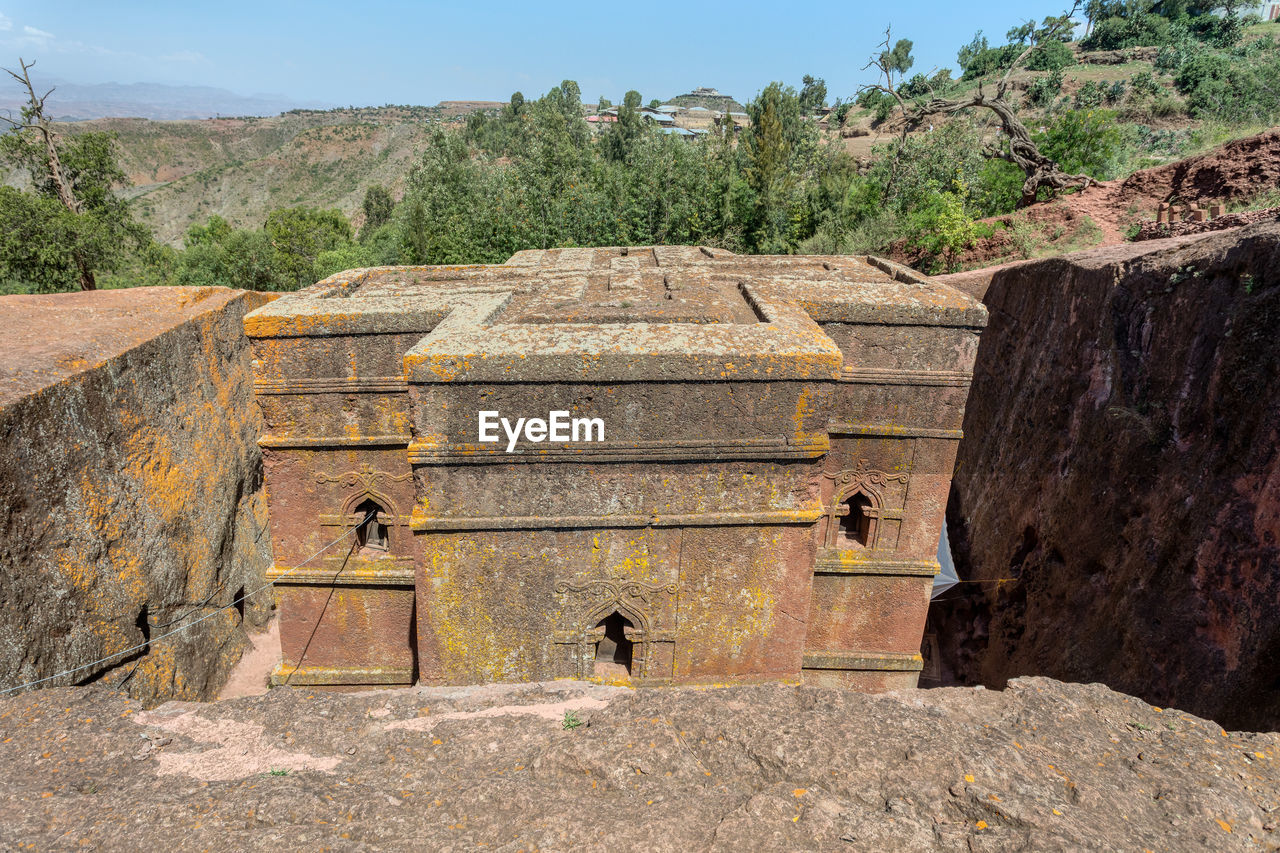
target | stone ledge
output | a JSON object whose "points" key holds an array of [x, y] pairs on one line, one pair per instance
{"points": [[336, 676], [890, 376], [332, 385], [439, 453], [864, 661], [285, 441], [810, 515], [892, 431], [831, 561], [384, 573], [472, 345]]}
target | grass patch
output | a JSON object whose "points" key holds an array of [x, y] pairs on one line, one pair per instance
{"points": [[1100, 73]]}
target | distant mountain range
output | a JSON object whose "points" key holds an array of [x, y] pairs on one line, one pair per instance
{"points": [[76, 101]]}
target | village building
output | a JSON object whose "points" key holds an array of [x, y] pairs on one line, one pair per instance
{"points": [[1268, 10], [658, 117], [667, 464]]}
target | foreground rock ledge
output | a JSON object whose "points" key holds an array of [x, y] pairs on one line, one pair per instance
{"points": [[1041, 766], [130, 488]]}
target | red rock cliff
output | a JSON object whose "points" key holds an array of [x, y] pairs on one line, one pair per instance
{"points": [[129, 487], [1120, 466]]}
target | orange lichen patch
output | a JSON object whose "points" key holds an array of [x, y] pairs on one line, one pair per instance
{"points": [[135, 506]]}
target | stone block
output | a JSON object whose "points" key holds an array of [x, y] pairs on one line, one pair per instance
{"points": [[753, 414]]}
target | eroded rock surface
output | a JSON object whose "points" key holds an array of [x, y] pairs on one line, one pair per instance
{"points": [[1041, 766], [1117, 491], [130, 486]]}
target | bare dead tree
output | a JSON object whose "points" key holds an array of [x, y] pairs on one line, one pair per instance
{"points": [[34, 119], [1015, 144], [886, 64]]}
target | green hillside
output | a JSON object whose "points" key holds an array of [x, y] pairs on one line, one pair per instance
{"points": [[183, 172]]}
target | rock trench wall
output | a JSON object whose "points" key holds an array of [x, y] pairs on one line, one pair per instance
{"points": [[129, 487], [1118, 486]]}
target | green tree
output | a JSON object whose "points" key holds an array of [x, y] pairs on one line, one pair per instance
{"points": [[969, 54], [348, 257], [377, 206], [623, 133], [1050, 56], [1084, 140], [455, 208], [898, 58], [1016, 145], [299, 235], [73, 225], [775, 150], [942, 227], [218, 255], [813, 94]]}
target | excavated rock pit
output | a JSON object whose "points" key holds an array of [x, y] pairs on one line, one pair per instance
{"points": [[1116, 502]]}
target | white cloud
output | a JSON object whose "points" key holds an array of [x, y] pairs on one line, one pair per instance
{"points": [[5, 23], [37, 35], [184, 56]]}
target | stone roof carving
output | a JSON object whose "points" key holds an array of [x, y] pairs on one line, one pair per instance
{"points": [[672, 312]]}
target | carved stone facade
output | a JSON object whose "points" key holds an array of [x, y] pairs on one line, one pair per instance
{"points": [[765, 501]]}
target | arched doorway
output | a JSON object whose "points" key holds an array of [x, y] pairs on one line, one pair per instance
{"points": [[614, 649]]}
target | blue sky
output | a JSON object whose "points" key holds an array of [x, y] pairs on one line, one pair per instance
{"points": [[373, 52]]}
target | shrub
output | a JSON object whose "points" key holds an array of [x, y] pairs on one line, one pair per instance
{"points": [[1231, 89], [348, 257], [881, 103], [1089, 95], [1199, 68], [1140, 29], [1044, 90], [943, 228], [1166, 106], [1087, 141], [998, 188], [1220, 32], [220, 255], [1161, 141], [1144, 85], [1050, 56], [918, 86], [978, 58], [992, 60], [1172, 57]]}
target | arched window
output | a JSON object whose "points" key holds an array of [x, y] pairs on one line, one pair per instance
{"points": [[372, 539], [613, 651], [856, 522]]}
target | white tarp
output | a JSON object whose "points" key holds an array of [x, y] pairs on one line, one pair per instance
{"points": [[946, 578]]}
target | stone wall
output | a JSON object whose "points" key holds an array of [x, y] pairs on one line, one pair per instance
{"points": [[129, 487], [1119, 468]]}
